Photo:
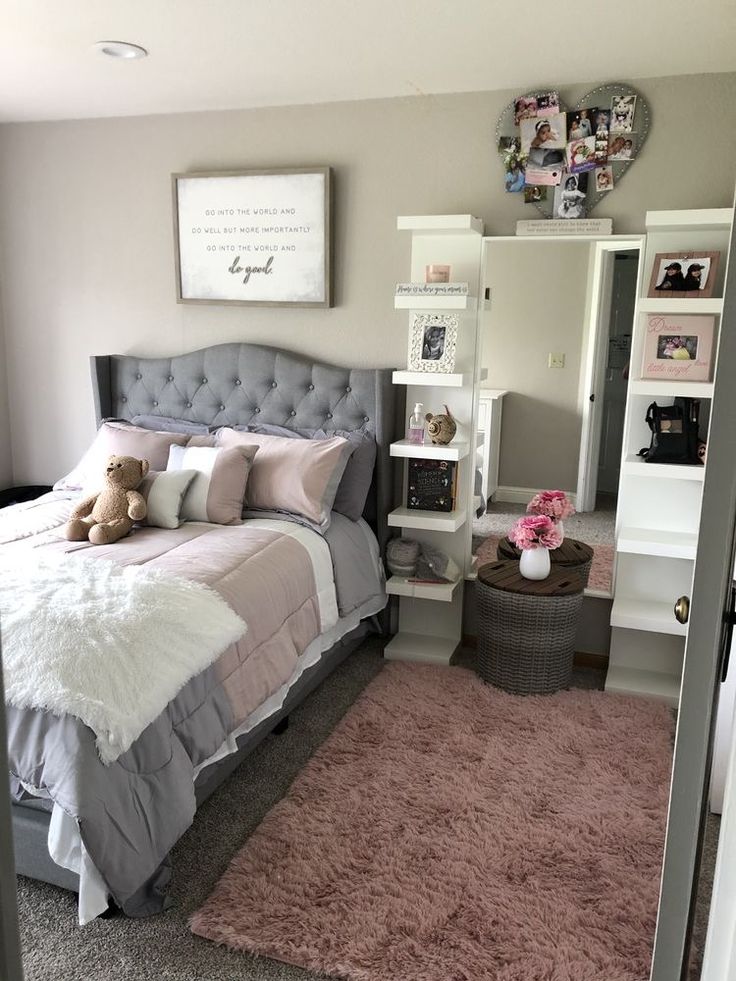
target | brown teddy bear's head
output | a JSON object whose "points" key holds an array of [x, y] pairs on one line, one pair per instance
{"points": [[126, 471]]}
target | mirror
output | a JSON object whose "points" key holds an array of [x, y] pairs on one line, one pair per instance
{"points": [[556, 336]]}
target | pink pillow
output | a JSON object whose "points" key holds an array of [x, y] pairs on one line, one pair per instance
{"points": [[119, 439], [300, 476]]}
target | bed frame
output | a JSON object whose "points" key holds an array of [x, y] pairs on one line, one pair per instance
{"points": [[230, 385]]}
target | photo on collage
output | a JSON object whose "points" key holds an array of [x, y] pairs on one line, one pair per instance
{"points": [[548, 104], [622, 113], [604, 179], [525, 107], [580, 124], [601, 120], [533, 193], [543, 141], [621, 146], [569, 200], [581, 155]]}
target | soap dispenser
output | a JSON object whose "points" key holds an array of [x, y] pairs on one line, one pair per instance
{"points": [[416, 425]]}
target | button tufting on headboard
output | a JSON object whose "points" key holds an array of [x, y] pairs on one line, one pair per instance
{"points": [[235, 384]]}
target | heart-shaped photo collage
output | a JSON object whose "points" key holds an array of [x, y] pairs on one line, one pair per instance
{"points": [[564, 161]]}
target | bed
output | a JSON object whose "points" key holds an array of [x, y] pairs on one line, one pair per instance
{"points": [[112, 826]]}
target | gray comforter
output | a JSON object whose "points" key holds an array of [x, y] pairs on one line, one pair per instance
{"points": [[132, 812]]}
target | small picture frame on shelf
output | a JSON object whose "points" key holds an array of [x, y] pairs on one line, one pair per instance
{"points": [[678, 348], [684, 275], [432, 342]]}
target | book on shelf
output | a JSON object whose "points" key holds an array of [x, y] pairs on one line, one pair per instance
{"points": [[432, 485], [431, 289]]}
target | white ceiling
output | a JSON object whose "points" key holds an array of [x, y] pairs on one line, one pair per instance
{"points": [[227, 54]]}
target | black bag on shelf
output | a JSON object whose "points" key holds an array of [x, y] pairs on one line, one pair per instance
{"points": [[674, 432]]}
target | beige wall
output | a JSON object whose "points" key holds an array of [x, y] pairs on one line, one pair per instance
{"points": [[86, 250], [539, 292], [6, 467]]}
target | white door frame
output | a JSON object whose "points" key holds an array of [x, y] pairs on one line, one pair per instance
{"points": [[593, 364], [704, 648]]}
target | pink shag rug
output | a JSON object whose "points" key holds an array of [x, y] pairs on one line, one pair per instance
{"points": [[448, 831], [601, 568]]}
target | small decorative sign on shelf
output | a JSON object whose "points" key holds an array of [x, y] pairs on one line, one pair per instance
{"points": [[431, 485], [565, 226], [431, 289]]}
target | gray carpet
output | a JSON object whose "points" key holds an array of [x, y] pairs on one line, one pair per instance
{"points": [[162, 947]]}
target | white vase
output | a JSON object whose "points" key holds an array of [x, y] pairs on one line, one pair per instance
{"points": [[534, 563]]}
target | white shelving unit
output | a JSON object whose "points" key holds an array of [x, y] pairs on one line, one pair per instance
{"points": [[430, 614], [658, 504]]}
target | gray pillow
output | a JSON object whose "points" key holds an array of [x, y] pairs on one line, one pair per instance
{"points": [[164, 491], [355, 483], [167, 424]]}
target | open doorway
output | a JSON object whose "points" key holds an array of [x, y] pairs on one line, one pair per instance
{"points": [[616, 378]]}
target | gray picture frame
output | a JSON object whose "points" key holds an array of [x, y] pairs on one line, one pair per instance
{"points": [[199, 290]]}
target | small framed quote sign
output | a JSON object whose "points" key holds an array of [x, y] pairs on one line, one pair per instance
{"points": [[260, 237]]}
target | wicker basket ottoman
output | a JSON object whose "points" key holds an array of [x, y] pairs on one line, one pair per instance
{"points": [[526, 628], [572, 555]]}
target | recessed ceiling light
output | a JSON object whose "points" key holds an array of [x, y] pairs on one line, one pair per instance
{"points": [[120, 49]]}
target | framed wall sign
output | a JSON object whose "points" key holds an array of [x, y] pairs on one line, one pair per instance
{"points": [[678, 348], [254, 237]]}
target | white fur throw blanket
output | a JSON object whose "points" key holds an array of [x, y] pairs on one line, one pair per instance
{"points": [[111, 645]]}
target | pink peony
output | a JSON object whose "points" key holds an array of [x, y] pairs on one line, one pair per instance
{"points": [[554, 503], [535, 531]]}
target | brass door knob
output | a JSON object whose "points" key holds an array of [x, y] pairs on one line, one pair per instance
{"points": [[682, 609]]}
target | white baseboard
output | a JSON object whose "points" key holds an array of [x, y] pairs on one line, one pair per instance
{"points": [[522, 495]]}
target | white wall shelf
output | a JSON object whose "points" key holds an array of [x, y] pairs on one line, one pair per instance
{"points": [[636, 467], [428, 451], [407, 646], [694, 220], [653, 541], [435, 302], [667, 390], [439, 224], [436, 379], [449, 521], [399, 586], [431, 631], [646, 615], [695, 305]]}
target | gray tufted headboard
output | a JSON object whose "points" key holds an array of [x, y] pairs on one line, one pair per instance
{"points": [[236, 384]]}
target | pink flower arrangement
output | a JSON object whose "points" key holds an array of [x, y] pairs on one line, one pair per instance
{"points": [[555, 504], [535, 531]]}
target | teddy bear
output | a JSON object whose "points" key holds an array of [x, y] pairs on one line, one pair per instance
{"points": [[105, 517]]}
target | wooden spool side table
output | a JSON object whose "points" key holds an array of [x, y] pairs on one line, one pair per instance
{"points": [[527, 628], [572, 554]]}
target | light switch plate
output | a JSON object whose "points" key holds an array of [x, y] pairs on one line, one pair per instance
{"points": [[556, 360]]}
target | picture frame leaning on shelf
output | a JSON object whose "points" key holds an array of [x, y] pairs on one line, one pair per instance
{"points": [[432, 342], [684, 275]]}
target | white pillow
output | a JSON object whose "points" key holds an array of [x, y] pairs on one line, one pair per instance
{"points": [[163, 491]]}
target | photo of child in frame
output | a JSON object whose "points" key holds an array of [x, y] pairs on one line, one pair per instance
{"points": [[677, 348], [433, 342], [534, 193], [682, 275]]}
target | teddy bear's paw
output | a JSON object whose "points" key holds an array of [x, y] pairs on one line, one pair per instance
{"points": [[100, 535], [76, 530]]}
